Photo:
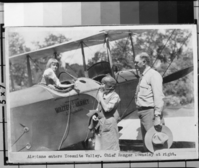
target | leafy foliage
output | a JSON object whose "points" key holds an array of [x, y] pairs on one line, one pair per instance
{"points": [[98, 56], [16, 44], [18, 71], [169, 52], [50, 40]]}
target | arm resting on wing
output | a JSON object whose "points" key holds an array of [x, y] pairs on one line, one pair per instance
{"points": [[49, 74]]}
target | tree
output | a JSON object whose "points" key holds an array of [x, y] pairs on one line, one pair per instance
{"points": [[50, 40], [122, 54], [16, 44], [80, 73], [98, 56], [18, 70]]}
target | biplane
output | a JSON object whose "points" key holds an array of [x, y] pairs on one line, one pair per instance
{"points": [[46, 119]]}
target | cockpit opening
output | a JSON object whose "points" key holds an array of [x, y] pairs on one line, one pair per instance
{"points": [[99, 70]]}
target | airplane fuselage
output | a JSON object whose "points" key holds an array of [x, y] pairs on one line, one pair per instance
{"points": [[44, 119]]}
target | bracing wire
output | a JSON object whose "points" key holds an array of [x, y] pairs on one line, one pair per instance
{"points": [[87, 45], [75, 50], [90, 47], [164, 46], [67, 126], [176, 54], [35, 63]]}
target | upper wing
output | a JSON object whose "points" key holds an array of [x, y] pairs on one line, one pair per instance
{"points": [[92, 40]]}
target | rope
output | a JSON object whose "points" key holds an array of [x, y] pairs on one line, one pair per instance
{"points": [[21, 148], [25, 130], [88, 132], [19, 138], [67, 126]]}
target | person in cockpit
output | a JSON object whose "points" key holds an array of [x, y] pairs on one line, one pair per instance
{"points": [[50, 77]]}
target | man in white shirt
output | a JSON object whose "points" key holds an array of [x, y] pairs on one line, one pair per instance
{"points": [[149, 96]]}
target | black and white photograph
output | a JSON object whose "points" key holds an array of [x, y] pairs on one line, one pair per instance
{"points": [[102, 93]]}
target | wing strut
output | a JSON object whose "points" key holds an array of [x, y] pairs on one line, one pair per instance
{"points": [[55, 54], [29, 71], [133, 50], [176, 54], [109, 54], [11, 78], [130, 36], [165, 46], [84, 61]]}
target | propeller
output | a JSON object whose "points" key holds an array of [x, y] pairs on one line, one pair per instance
{"points": [[177, 75]]}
